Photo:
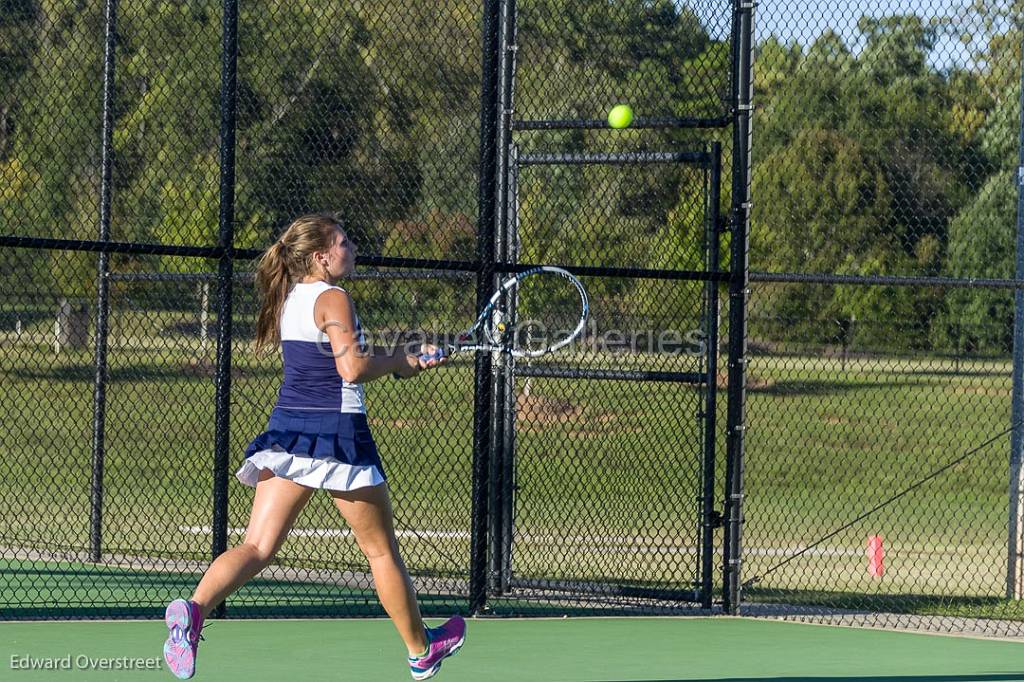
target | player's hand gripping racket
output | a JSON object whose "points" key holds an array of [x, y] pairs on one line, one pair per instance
{"points": [[547, 310]]}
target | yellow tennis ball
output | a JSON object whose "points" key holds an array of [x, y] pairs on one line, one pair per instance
{"points": [[620, 116]]}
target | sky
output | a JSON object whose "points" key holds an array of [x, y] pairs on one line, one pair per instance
{"points": [[784, 20]]}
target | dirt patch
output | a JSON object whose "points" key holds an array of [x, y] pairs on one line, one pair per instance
{"points": [[754, 382], [533, 412], [606, 423]]}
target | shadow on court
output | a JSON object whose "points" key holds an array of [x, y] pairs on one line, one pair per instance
{"points": [[996, 677], [820, 387], [912, 604], [138, 372]]}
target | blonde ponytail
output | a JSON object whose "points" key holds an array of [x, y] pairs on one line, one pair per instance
{"points": [[285, 262], [272, 283]]}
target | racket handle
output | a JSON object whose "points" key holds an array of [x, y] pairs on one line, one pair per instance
{"points": [[439, 354]]}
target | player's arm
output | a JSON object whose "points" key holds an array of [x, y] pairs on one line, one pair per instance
{"points": [[335, 315]]}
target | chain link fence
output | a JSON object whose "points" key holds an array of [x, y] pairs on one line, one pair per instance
{"points": [[151, 150], [148, 152], [879, 480]]}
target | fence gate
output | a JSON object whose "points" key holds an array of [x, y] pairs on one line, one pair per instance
{"points": [[602, 456]]}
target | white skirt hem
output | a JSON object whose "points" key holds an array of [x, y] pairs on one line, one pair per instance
{"points": [[325, 472]]}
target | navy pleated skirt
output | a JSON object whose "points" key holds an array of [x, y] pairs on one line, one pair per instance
{"points": [[319, 449]]}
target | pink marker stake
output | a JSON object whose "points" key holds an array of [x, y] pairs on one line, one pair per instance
{"points": [[876, 556]]}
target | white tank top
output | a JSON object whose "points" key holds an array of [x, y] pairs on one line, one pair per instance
{"points": [[311, 379]]}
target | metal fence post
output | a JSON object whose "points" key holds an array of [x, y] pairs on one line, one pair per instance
{"points": [[739, 266], [1015, 542], [511, 255], [708, 518], [204, 314], [225, 281], [99, 393], [489, 105], [500, 491]]}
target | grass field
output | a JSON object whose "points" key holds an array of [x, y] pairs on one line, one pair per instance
{"points": [[608, 472], [826, 444]]}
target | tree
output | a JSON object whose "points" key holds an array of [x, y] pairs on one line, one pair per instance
{"points": [[982, 236], [53, 154], [859, 168], [17, 42], [982, 242]]}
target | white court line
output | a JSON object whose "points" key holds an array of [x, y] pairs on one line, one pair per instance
{"points": [[332, 532], [607, 543]]}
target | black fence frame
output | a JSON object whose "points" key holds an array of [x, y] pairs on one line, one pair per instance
{"points": [[489, 571], [502, 451], [490, 489]]}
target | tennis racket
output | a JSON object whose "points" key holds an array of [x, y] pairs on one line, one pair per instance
{"points": [[547, 311]]}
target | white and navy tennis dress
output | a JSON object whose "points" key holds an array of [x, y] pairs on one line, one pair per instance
{"points": [[317, 434]]}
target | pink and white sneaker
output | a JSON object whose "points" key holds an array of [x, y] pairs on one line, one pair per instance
{"points": [[184, 623], [442, 642]]}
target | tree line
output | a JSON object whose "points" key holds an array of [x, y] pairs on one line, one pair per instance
{"points": [[869, 158]]}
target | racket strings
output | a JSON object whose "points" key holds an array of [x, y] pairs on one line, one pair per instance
{"points": [[541, 314]]}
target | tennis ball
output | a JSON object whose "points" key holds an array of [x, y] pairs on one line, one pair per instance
{"points": [[620, 116]]}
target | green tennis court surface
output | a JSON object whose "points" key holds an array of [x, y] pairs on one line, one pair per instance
{"points": [[606, 649]]}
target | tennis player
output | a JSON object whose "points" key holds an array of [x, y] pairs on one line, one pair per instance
{"points": [[317, 437]]}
